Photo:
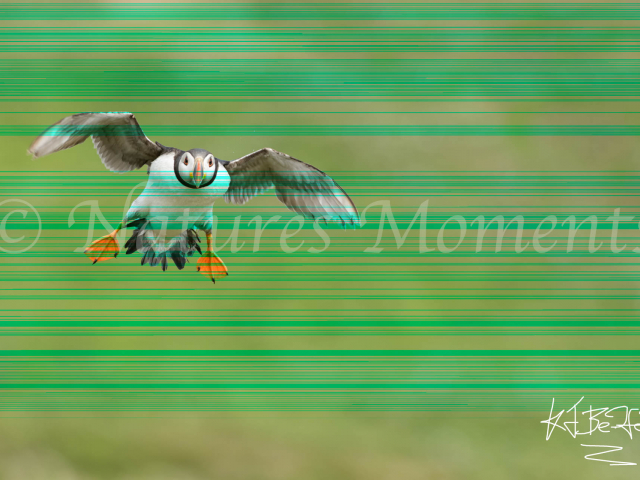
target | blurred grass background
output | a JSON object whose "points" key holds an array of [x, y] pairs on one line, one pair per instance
{"points": [[536, 105]]}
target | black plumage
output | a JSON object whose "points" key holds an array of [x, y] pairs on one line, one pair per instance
{"points": [[178, 250]]}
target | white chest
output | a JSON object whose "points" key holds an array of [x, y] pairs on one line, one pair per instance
{"points": [[164, 196]]}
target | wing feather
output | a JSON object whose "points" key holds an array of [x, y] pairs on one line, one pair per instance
{"points": [[117, 137], [300, 186]]}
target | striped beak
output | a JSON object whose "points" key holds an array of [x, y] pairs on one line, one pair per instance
{"points": [[198, 173]]}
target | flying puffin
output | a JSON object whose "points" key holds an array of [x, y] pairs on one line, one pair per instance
{"points": [[183, 185]]}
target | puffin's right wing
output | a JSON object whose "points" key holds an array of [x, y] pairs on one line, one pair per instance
{"points": [[300, 186], [117, 136]]}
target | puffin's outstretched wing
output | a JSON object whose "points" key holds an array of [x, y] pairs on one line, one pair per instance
{"points": [[118, 138], [301, 187]]}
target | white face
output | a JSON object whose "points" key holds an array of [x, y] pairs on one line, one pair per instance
{"points": [[196, 171]]}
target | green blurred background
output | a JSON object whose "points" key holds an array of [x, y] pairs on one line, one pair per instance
{"points": [[341, 364]]}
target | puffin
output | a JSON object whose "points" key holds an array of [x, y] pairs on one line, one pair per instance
{"points": [[182, 186]]}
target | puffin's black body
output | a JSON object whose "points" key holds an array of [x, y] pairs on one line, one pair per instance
{"points": [[185, 247]]}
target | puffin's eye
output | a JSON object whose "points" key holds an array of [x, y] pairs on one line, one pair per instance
{"points": [[186, 160], [211, 162]]}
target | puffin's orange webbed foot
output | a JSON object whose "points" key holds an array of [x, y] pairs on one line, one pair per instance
{"points": [[212, 266], [103, 249]]}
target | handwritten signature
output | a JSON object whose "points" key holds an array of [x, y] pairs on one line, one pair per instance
{"points": [[593, 420]]}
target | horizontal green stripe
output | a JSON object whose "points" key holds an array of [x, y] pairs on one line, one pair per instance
{"points": [[282, 79], [318, 353], [332, 130], [279, 11], [338, 386]]}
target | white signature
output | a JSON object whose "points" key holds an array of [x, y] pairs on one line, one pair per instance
{"points": [[602, 420]]}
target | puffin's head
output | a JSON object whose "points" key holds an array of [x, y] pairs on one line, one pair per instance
{"points": [[196, 168]]}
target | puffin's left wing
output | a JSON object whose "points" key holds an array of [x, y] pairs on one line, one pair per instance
{"points": [[301, 187], [117, 136]]}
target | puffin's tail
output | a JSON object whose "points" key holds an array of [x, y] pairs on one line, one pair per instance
{"points": [[179, 248]]}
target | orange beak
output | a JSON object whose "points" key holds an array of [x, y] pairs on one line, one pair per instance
{"points": [[198, 172]]}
